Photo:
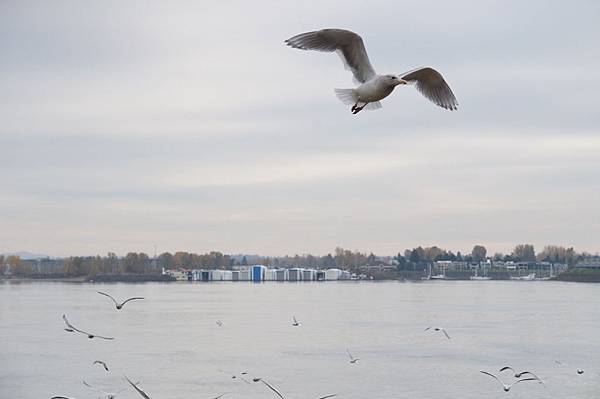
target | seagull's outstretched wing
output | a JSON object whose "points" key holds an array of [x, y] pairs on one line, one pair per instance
{"points": [[137, 389], [105, 294], [71, 327], [433, 86], [492, 375], [347, 44], [445, 333], [102, 363], [328, 396], [507, 368], [523, 379], [271, 387], [131, 299]]}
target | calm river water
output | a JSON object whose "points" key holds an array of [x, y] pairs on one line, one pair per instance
{"points": [[172, 343]]}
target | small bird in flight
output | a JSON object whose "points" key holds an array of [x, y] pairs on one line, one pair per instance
{"points": [[109, 395], [71, 328], [579, 371], [505, 386], [233, 376], [520, 374], [137, 389], [119, 305], [439, 329], [279, 393], [373, 87], [219, 323], [295, 323], [352, 358], [102, 363]]}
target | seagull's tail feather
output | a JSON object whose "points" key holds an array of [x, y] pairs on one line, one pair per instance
{"points": [[350, 97], [347, 96]]}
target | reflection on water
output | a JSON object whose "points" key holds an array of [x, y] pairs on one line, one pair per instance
{"points": [[171, 340]]}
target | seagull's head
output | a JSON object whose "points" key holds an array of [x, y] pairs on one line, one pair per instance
{"points": [[394, 80]]}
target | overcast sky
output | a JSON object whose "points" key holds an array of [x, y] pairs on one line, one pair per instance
{"points": [[191, 126]]}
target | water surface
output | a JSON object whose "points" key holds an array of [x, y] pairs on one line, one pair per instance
{"points": [[171, 341]]}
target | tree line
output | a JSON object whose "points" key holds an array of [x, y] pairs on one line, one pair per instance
{"points": [[411, 259]]}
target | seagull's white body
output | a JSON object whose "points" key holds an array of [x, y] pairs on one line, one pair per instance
{"points": [[373, 87]]}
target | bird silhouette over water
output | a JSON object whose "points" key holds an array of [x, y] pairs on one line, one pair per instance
{"points": [[352, 358], [71, 328], [579, 371], [109, 395], [372, 87], [295, 323], [438, 329], [102, 363], [520, 374], [279, 393], [117, 304], [134, 385], [507, 387]]}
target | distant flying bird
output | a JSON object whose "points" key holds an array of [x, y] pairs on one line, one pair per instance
{"points": [[439, 329], [60, 397], [520, 374], [137, 389], [71, 328], [102, 363], [233, 376], [269, 385], [373, 87], [109, 395], [279, 393], [579, 371], [117, 304], [219, 323], [505, 386], [352, 358], [295, 323]]}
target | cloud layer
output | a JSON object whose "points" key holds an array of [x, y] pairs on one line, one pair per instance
{"points": [[192, 126]]}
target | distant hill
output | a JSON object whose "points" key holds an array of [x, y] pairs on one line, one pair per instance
{"points": [[26, 255]]}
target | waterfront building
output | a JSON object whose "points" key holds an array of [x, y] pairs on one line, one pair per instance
{"points": [[295, 274], [258, 273], [332, 274]]}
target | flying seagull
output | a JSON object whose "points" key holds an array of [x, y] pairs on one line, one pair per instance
{"points": [[102, 363], [119, 305], [505, 386], [71, 328], [579, 371], [137, 389], [233, 376], [372, 87], [219, 323], [109, 395], [520, 374], [279, 393], [439, 329], [269, 385], [295, 323], [352, 358]]}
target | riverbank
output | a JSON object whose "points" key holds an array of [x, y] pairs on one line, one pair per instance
{"points": [[580, 276]]}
